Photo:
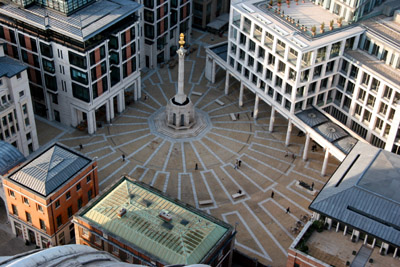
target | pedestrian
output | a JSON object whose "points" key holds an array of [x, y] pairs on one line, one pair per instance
{"points": [[145, 97], [240, 191], [272, 194], [312, 185], [288, 210], [238, 115], [240, 162], [80, 146], [287, 154], [236, 166], [293, 156], [196, 167], [252, 113], [123, 157]]}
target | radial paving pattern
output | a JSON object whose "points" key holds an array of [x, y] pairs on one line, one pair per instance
{"points": [[264, 228]]}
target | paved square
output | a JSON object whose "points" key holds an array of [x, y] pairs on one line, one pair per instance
{"points": [[264, 228]]}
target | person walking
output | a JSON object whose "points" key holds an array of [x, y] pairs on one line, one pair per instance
{"points": [[80, 146], [272, 194], [236, 166], [239, 162], [123, 157], [312, 185], [288, 210], [196, 167]]}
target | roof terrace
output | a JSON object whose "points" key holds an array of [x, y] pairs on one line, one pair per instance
{"points": [[304, 16], [335, 249]]}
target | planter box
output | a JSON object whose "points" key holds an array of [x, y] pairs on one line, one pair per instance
{"points": [[313, 192]]}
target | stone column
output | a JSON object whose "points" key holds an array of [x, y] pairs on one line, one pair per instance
{"points": [[255, 113], [227, 83], [306, 147], [91, 122], [288, 133], [241, 95], [180, 97], [272, 119], [325, 164], [108, 112], [111, 104], [213, 72], [121, 102]]}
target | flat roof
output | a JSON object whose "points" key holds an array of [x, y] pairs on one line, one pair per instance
{"points": [[51, 169], [371, 62], [82, 24], [308, 15], [363, 193], [385, 27], [186, 239]]}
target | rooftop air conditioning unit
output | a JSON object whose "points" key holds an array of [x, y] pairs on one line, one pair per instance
{"points": [[121, 212], [165, 215]]}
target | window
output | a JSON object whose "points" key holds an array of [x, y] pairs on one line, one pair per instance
{"points": [[59, 220], [28, 217], [115, 250], [21, 93], [11, 193], [40, 208], [321, 52], [361, 95], [367, 116], [371, 100], [335, 50], [97, 240], [57, 204], [68, 195], [42, 225], [79, 76], [365, 79], [252, 46], [78, 187], [379, 124], [80, 203], [80, 92], [26, 201], [19, 75], [388, 92], [383, 109], [357, 111], [77, 60], [69, 211], [90, 193], [85, 232], [14, 209]]}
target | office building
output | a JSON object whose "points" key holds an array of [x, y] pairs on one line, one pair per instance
{"points": [[43, 194], [207, 11], [82, 56], [141, 225], [163, 21], [312, 66], [17, 125]]}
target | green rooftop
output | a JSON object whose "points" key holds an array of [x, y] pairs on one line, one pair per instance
{"points": [[184, 236]]}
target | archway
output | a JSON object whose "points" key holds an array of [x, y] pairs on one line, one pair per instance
{"points": [[3, 211]]}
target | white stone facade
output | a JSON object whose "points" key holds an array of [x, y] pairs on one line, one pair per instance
{"points": [[16, 114], [291, 71]]}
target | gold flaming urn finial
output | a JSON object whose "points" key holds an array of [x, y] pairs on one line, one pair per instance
{"points": [[182, 39]]}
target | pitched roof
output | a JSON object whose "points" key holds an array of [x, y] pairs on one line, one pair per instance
{"points": [[9, 157], [50, 170], [186, 239], [364, 193], [10, 67]]}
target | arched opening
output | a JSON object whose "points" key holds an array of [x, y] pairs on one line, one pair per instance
{"points": [[174, 119], [182, 120]]}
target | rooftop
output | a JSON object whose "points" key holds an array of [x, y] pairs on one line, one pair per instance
{"points": [[185, 239], [9, 157], [81, 25], [50, 170], [363, 193], [10, 67], [385, 27], [334, 249]]}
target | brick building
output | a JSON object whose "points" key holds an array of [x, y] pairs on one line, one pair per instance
{"points": [[44, 193], [139, 224]]}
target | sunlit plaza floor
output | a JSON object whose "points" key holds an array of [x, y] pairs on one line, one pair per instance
{"points": [[169, 165]]}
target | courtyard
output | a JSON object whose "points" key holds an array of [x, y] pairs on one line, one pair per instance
{"points": [[265, 229]]}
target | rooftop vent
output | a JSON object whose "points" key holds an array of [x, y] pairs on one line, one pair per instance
{"points": [[121, 212], [165, 215], [184, 222]]}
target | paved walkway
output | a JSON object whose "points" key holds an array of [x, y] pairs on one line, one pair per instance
{"points": [[169, 165]]}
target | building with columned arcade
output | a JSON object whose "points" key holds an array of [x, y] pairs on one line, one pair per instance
{"points": [[82, 56], [332, 74]]}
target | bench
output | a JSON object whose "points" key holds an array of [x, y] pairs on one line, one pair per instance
{"points": [[220, 102], [237, 195], [205, 202], [197, 93], [233, 116]]}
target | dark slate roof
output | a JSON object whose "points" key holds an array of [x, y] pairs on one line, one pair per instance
{"points": [[221, 51], [10, 67], [328, 129], [364, 193], [50, 170], [9, 157]]}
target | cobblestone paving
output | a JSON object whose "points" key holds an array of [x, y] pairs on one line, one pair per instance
{"points": [[169, 165]]}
